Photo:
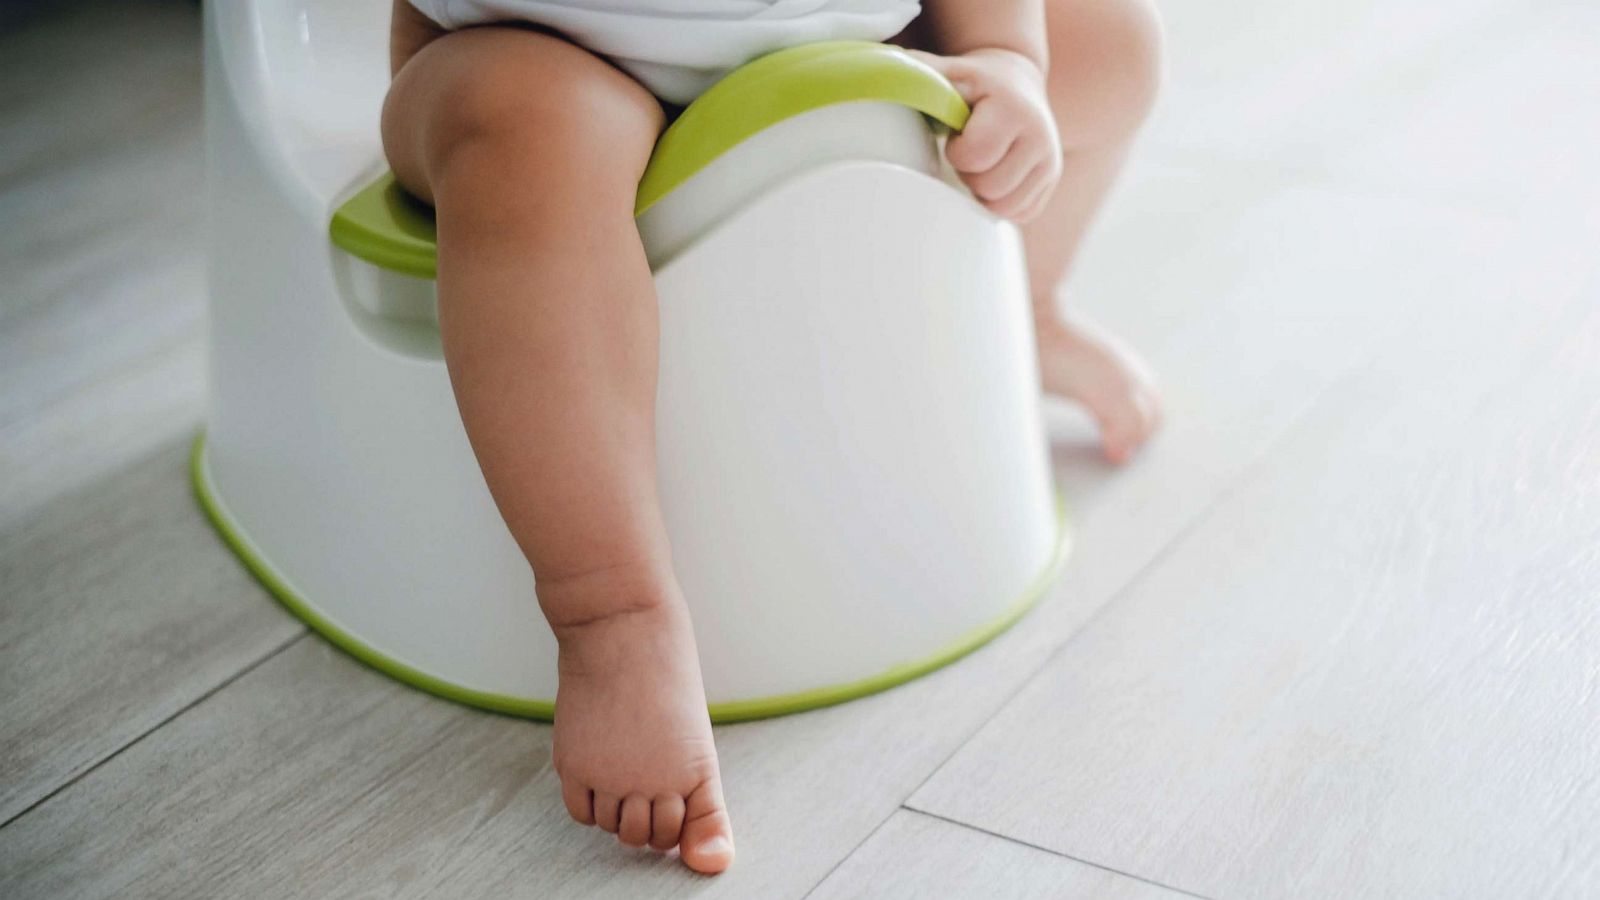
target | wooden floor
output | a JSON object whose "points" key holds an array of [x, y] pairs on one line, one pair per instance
{"points": [[1336, 634]]}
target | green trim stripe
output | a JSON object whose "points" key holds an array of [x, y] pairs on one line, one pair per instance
{"points": [[389, 229], [736, 711]]}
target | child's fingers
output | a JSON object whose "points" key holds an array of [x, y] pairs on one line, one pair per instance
{"points": [[985, 141], [1041, 198], [988, 133], [1008, 206], [956, 70], [1002, 159], [1007, 176], [1025, 204], [1035, 189]]}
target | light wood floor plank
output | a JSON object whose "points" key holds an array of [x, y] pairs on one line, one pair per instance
{"points": [[100, 428], [101, 193], [1295, 82], [118, 608], [1371, 671], [1504, 117]]}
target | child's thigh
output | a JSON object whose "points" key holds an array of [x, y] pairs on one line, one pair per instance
{"points": [[524, 102]]}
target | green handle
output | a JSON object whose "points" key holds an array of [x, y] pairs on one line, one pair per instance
{"points": [[779, 85]]}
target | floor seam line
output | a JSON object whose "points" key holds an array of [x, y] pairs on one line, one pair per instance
{"points": [[141, 736], [1053, 852], [846, 858]]}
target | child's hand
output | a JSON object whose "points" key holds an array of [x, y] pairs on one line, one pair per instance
{"points": [[1009, 155]]}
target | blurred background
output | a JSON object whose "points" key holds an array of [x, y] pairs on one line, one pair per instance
{"points": [[1335, 634]]}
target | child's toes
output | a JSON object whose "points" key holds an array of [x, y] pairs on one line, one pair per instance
{"points": [[666, 821], [1120, 434], [1128, 425], [607, 811], [579, 800], [707, 840], [1146, 417], [633, 827]]}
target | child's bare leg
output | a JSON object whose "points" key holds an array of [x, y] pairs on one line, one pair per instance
{"points": [[530, 149], [1105, 67]]}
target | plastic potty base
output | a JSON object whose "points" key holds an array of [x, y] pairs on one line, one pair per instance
{"points": [[735, 711]]}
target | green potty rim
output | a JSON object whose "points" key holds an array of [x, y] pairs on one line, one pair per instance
{"points": [[384, 226]]}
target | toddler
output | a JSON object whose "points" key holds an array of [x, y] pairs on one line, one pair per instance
{"points": [[527, 124]]}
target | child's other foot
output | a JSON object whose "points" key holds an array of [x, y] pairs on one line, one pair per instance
{"points": [[1081, 363], [632, 739]]}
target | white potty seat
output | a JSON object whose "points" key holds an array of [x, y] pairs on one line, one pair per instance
{"points": [[852, 467]]}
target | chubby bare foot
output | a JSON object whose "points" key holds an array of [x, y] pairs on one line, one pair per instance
{"points": [[632, 739], [1079, 362]]}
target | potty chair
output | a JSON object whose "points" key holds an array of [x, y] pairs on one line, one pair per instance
{"points": [[852, 465]]}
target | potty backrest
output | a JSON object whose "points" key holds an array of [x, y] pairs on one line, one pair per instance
{"points": [[309, 77]]}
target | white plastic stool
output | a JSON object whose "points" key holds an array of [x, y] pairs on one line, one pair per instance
{"points": [[852, 466]]}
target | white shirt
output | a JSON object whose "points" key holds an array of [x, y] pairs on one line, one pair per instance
{"points": [[678, 48]]}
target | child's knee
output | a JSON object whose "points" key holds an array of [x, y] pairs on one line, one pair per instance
{"points": [[1113, 48], [1145, 59], [526, 104]]}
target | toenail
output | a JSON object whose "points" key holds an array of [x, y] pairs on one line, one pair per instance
{"points": [[718, 844]]}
